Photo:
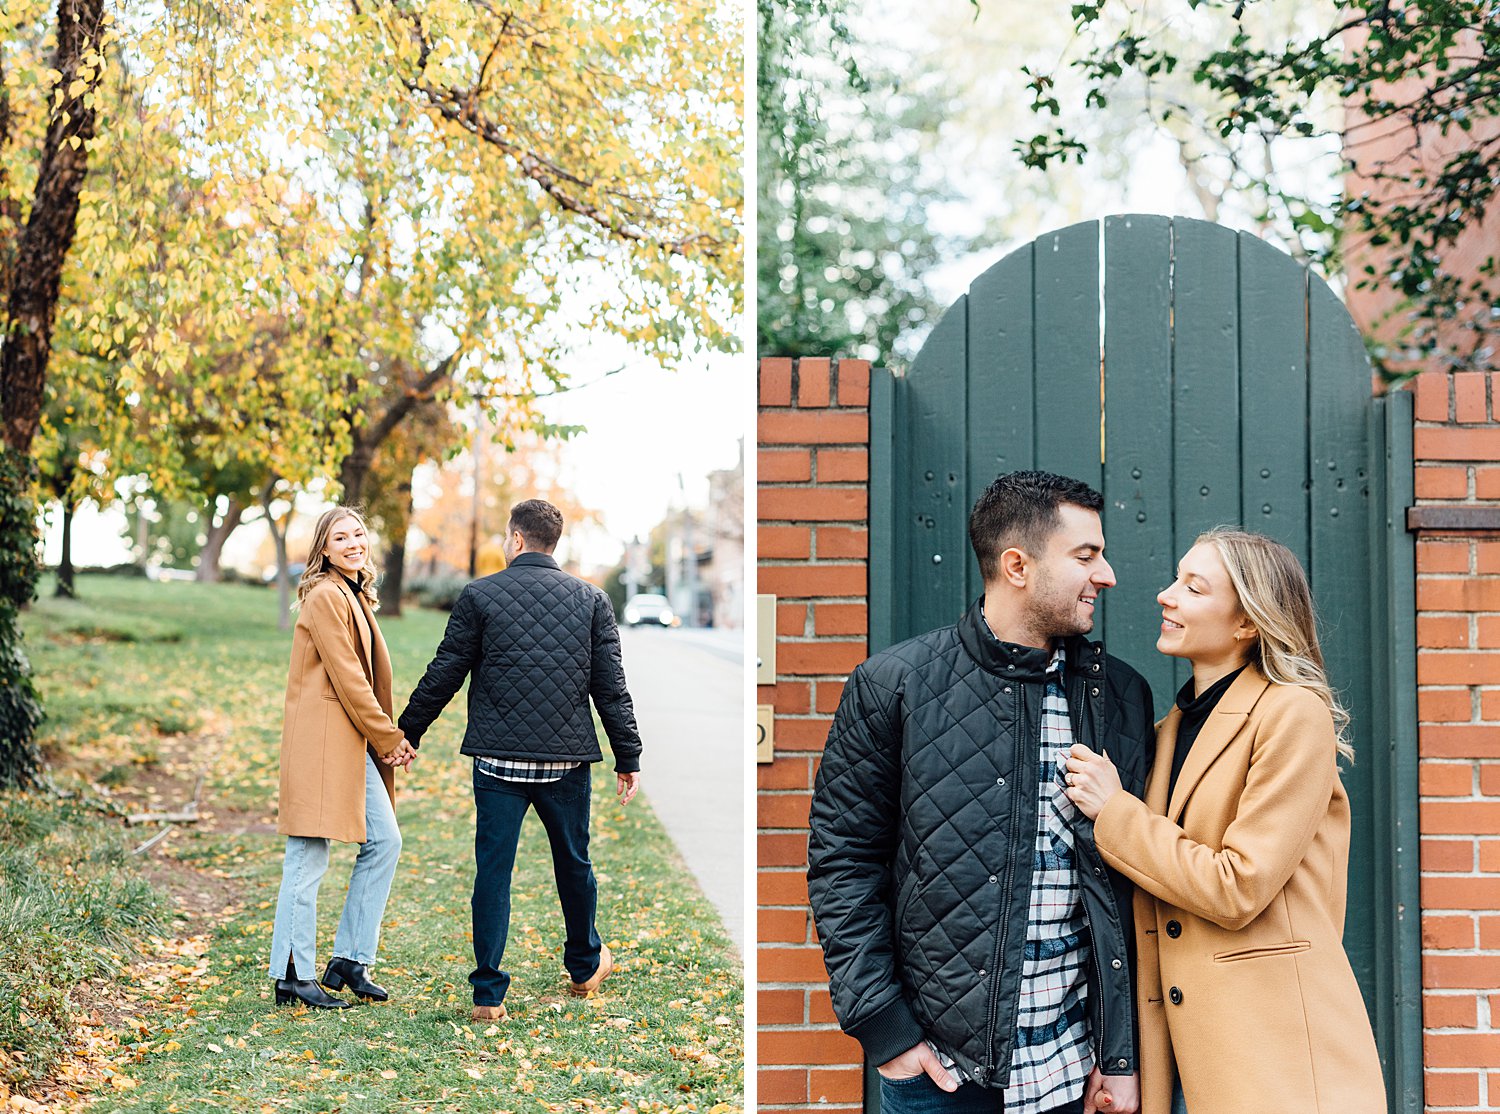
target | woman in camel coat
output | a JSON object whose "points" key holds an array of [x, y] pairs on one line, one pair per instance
{"points": [[1240, 854], [339, 748]]}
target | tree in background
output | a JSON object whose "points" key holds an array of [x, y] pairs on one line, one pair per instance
{"points": [[846, 189], [1420, 138], [302, 220], [38, 215]]}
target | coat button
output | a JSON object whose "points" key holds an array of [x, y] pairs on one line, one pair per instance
{"points": [[1122, 1063], [993, 879], [999, 781], [1094, 691], [1175, 995], [982, 972], [1095, 667], [1116, 964], [1174, 929], [1098, 872]]}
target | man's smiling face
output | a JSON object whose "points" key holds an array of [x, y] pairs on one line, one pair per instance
{"points": [[1070, 575]]}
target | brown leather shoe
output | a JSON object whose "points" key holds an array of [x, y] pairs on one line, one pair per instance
{"points": [[490, 1013], [606, 965]]}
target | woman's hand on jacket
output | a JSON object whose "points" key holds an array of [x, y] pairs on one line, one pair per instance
{"points": [[1112, 1094], [1092, 780]]}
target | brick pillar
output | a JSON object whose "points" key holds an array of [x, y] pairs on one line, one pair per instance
{"points": [[1458, 701], [813, 530]]}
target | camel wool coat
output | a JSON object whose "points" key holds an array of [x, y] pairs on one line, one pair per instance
{"points": [[1241, 877], [338, 707]]}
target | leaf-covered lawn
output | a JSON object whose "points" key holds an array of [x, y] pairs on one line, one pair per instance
{"points": [[148, 685]]}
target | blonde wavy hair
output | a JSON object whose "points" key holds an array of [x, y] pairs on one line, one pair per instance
{"points": [[320, 569], [1274, 594]]}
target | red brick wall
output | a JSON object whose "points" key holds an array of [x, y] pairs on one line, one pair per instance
{"points": [[1458, 706], [813, 532]]}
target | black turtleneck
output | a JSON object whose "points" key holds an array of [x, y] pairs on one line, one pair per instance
{"points": [[1195, 711], [359, 612]]}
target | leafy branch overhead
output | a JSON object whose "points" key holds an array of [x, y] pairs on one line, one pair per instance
{"points": [[1407, 94]]}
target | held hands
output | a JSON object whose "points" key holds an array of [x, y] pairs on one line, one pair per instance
{"points": [[403, 756], [915, 1061], [1092, 781], [1111, 1094], [626, 786]]}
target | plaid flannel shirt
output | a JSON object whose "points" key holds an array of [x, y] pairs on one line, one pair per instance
{"points": [[1053, 1055], [523, 769]]}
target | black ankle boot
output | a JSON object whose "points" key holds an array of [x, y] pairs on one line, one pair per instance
{"points": [[291, 990], [345, 972]]}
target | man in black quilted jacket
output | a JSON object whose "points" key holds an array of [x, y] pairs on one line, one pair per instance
{"points": [[538, 644], [977, 945]]}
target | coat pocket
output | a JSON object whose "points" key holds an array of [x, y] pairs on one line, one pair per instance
{"points": [[1291, 947]]}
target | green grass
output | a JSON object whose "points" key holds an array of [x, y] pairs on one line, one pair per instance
{"points": [[666, 1033]]}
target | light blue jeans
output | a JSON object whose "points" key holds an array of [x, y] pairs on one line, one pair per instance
{"points": [[295, 934]]}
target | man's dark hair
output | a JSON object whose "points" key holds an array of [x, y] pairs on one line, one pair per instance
{"points": [[1020, 509], [540, 523]]}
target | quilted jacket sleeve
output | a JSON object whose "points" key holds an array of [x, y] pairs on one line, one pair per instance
{"points": [[456, 655], [328, 621], [853, 829], [607, 688]]}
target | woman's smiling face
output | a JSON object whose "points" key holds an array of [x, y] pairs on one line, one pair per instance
{"points": [[347, 546], [1201, 617]]}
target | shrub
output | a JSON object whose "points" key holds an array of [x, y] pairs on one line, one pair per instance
{"points": [[71, 908], [440, 592]]}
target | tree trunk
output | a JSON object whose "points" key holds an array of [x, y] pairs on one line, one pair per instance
{"points": [[218, 533], [354, 470], [32, 299], [65, 588], [395, 561], [31, 307], [278, 537], [20, 710]]}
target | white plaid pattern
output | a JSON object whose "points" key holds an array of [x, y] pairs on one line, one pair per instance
{"points": [[523, 769], [1052, 1056]]}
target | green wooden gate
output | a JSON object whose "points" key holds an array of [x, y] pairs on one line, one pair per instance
{"points": [[1196, 377]]}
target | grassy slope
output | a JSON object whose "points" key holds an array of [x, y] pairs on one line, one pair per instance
{"points": [[201, 688]]}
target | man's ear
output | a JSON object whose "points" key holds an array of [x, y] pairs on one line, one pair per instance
{"points": [[1013, 567]]}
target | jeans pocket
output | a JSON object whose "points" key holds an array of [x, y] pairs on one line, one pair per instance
{"points": [[572, 786]]}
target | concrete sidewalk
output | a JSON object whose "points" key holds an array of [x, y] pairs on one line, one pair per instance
{"points": [[688, 688]]}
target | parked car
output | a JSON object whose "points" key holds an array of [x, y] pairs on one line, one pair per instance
{"points": [[649, 610]]}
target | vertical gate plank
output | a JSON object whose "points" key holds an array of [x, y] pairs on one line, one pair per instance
{"points": [[936, 477], [885, 427], [1002, 390], [1138, 440], [1205, 388], [1067, 353], [1338, 387], [1273, 394]]}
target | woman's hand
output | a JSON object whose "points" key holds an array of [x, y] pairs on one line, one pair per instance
{"points": [[1092, 780], [404, 755]]}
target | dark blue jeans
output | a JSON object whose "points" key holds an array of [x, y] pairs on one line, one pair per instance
{"points": [[563, 808], [920, 1095]]}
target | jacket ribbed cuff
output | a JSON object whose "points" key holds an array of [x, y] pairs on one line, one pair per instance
{"points": [[888, 1032], [630, 765]]}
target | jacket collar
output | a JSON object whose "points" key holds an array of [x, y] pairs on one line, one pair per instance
{"points": [[541, 560], [1022, 663], [1223, 724]]}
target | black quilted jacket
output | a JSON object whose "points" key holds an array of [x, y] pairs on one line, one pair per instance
{"points": [[923, 833], [539, 644]]}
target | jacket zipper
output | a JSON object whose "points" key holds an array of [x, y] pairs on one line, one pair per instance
{"points": [[1097, 1006], [1010, 865]]}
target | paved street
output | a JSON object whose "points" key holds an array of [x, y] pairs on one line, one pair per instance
{"points": [[688, 689]]}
